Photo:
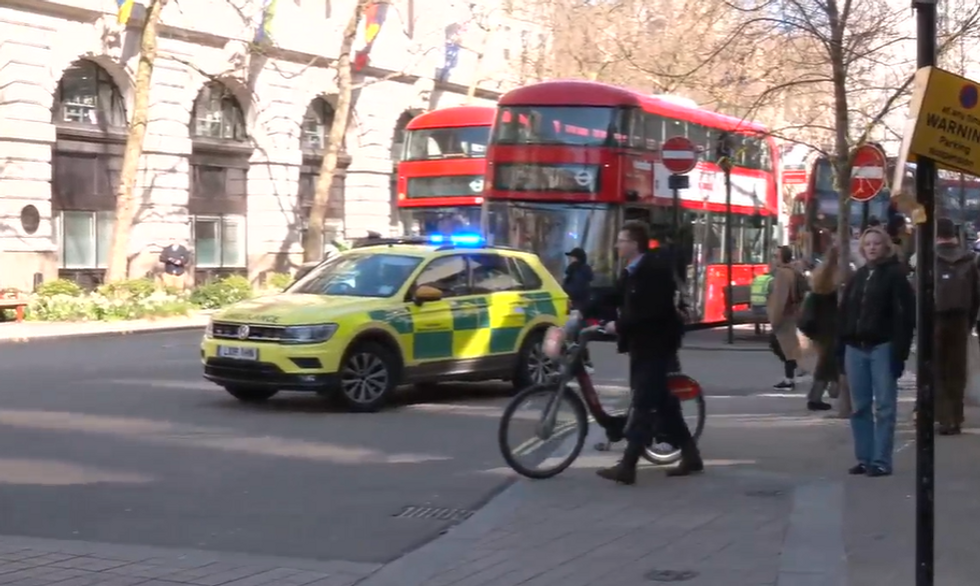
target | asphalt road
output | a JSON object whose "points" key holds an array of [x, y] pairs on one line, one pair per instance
{"points": [[119, 439]]}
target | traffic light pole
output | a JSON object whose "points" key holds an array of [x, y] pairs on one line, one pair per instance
{"points": [[925, 462]]}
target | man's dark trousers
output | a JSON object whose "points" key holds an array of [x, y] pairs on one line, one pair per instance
{"points": [[654, 407], [952, 370]]}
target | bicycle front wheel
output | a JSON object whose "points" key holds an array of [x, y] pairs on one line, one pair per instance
{"points": [[542, 431]]}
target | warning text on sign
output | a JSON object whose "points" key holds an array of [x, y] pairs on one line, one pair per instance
{"points": [[947, 127]]}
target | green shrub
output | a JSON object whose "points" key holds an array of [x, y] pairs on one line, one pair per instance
{"points": [[58, 287], [134, 289], [278, 281], [222, 293], [99, 307]]}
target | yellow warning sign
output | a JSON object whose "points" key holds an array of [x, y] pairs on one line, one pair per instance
{"points": [[946, 113]]}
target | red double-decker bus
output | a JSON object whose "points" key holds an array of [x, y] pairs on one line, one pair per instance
{"points": [[570, 161], [441, 172], [815, 212]]}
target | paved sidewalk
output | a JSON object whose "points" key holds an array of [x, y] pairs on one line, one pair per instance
{"points": [[46, 562], [786, 514], [26, 331]]}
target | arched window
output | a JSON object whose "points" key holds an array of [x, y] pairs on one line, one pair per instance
{"points": [[314, 134], [398, 136], [218, 202], [218, 115], [316, 125], [90, 121], [88, 95]]}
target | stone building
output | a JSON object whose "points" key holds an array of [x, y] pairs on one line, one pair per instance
{"points": [[236, 132]]}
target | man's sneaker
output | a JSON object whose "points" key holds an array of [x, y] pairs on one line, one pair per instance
{"points": [[785, 385], [818, 406]]}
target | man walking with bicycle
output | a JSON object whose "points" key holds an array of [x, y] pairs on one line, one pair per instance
{"points": [[649, 328]]}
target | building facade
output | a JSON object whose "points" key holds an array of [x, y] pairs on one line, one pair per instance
{"points": [[237, 124]]}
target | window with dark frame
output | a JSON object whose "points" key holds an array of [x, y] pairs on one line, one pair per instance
{"points": [[83, 238], [316, 125], [219, 241], [218, 115], [493, 274], [87, 95], [449, 274], [530, 281], [83, 182], [219, 181]]}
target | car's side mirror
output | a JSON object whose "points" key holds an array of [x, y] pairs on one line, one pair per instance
{"points": [[426, 294]]}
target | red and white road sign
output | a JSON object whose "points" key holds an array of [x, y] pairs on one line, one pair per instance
{"points": [[679, 155], [868, 172]]}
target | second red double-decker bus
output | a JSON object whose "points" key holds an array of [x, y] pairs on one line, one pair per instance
{"points": [[440, 176], [570, 161]]}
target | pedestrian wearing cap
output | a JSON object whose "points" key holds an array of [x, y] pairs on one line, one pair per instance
{"points": [[578, 279], [578, 287]]}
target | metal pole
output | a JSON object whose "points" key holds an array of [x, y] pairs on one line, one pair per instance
{"points": [[677, 211], [925, 468], [865, 215], [728, 250]]}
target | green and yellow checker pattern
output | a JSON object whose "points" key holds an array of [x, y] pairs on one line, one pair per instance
{"points": [[471, 326]]}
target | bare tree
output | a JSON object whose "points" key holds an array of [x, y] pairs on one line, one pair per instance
{"points": [[118, 268], [314, 239], [662, 46], [848, 66]]}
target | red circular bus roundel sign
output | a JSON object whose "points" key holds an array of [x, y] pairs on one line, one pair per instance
{"points": [[868, 172], [679, 155]]}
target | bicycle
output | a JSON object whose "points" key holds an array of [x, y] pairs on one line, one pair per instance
{"points": [[569, 344]]}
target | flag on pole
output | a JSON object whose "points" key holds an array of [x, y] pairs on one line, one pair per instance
{"points": [[263, 34], [124, 10], [374, 18]]}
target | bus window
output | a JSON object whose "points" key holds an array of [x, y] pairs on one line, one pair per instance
{"points": [[654, 130], [714, 241], [699, 135], [675, 128], [636, 129], [559, 125], [748, 153], [765, 155], [755, 244]]}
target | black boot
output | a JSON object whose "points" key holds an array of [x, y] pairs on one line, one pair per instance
{"points": [[691, 462], [625, 471]]}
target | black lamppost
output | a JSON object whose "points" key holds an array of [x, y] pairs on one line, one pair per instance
{"points": [[723, 154]]}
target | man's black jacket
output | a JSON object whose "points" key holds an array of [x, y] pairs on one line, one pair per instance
{"points": [[648, 319]]}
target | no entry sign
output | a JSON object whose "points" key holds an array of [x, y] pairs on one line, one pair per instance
{"points": [[679, 155], [867, 172]]}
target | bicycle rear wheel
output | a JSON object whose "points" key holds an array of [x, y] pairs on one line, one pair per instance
{"points": [[548, 447], [694, 411]]}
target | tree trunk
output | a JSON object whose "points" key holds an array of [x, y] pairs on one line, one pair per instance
{"points": [[314, 241], [842, 122], [125, 202]]}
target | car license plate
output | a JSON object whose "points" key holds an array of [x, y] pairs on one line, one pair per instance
{"points": [[238, 353]]}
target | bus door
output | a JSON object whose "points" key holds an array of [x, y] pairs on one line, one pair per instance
{"points": [[661, 222]]}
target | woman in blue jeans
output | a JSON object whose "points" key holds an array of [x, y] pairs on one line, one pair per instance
{"points": [[875, 326]]}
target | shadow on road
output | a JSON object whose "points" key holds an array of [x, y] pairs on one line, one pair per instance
{"points": [[484, 393]]}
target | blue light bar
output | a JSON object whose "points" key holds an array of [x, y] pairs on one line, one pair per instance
{"points": [[457, 239]]}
